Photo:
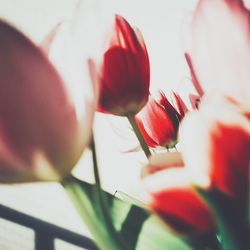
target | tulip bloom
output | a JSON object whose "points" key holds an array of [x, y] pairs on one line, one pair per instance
{"points": [[220, 48], [42, 131], [216, 146], [172, 196], [159, 122], [124, 76], [215, 142]]}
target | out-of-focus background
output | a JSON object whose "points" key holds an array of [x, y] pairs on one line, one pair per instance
{"points": [[163, 24]]}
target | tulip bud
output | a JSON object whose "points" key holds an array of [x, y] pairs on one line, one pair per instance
{"points": [[159, 122], [124, 74], [42, 132]]}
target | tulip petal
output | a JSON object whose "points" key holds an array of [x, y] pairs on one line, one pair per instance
{"points": [[220, 50], [124, 74], [126, 36], [38, 123], [193, 75], [125, 82], [149, 140], [176, 202], [162, 161], [216, 146], [159, 121], [179, 104]]}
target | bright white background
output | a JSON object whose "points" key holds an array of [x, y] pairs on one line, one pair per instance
{"points": [[162, 23]]}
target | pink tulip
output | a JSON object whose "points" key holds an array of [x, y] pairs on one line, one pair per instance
{"points": [[124, 76], [43, 132], [159, 122], [220, 48]]}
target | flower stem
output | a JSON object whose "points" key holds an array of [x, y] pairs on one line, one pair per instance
{"points": [[139, 135], [103, 203], [84, 207], [95, 164], [93, 208]]}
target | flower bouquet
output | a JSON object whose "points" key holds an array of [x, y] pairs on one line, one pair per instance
{"points": [[197, 151]]}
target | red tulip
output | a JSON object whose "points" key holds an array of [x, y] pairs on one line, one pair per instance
{"points": [[159, 122], [216, 146], [124, 77], [172, 195], [43, 132], [220, 48]]}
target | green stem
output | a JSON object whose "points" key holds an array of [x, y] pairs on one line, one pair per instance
{"points": [[93, 209], [95, 164], [85, 209], [139, 135], [102, 201]]}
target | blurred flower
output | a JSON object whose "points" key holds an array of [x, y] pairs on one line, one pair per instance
{"points": [[44, 123], [220, 48], [215, 143], [194, 80], [124, 76], [219, 154], [159, 122], [172, 195]]}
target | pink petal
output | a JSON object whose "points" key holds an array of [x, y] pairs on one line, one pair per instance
{"points": [[39, 130], [220, 50], [193, 75]]}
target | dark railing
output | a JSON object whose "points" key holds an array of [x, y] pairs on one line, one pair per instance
{"points": [[46, 233]]}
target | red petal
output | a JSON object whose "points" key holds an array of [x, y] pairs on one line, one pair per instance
{"points": [[180, 105], [230, 158], [216, 146], [149, 140], [173, 198], [183, 210], [126, 36], [159, 122], [125, 82]]}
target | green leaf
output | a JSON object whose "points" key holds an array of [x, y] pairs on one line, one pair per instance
{"points": [[231, 222], [138, 228], [156, 236]]}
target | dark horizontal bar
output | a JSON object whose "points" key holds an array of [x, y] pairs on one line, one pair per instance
{"points": [[48, 228]]}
